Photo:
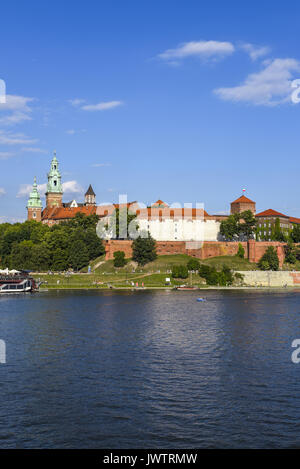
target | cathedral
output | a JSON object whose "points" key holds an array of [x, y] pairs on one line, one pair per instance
{"points": [[56, 210]]}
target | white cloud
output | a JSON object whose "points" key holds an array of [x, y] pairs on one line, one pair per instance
{"points": [[2, 191], [256, 52], [9, 138], [72, 187], [4, 155], [103, 106], [201, 49], [100, 165], [269, 87], [16, 109], [70, 132]]}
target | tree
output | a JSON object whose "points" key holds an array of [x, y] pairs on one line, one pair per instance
{"points": [[119, 259], [241, 252], [180, 271], [295, 233], [78, 256], [239, 226], [229, 228], [269, 261], [290, 256], [193, 264], [144, 250], [247, 224]]}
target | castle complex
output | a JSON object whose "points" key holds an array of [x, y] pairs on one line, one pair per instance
{"points": [[165, 223]]}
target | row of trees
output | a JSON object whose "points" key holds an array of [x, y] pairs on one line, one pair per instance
{"points": [[35, 246], [243, 226]]}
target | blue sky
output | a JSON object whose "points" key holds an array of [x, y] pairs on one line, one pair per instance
{"points": [[186, 101]]}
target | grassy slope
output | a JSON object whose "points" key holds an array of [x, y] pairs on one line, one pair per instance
{"points": [[152, 275]]}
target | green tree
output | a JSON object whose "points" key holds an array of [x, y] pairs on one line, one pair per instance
{"points": [[290, 256], [78, 255], [180, 271], [295, 233], [119, 259], [144, 250], [193, 264], [269, 261], [247, 224], [229, 228]]}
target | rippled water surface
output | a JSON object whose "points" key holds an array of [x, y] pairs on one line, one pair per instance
{"points": [[149, 369]]}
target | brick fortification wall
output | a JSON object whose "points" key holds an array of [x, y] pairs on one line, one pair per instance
{"points": [[253, 249]]}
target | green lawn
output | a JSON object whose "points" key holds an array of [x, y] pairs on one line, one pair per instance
{"points": [[153, 274]]}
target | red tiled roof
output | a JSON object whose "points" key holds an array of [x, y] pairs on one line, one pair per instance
{"points": [[63, 213], [271, 213], [243, 200], [295, 220]]}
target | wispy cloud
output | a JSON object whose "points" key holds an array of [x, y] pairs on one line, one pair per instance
{"points": [[34, 150], [103, 106], [2, 191], [100, 165], [255, 52], [201, 49], [269, 87], [10, 138], [16, 109], [77, 101]]}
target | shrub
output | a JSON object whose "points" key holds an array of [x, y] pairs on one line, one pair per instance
{"points": [[241, 252], [193, 264], [269, 261], [119, 259], [213, 277], [180, 271]]}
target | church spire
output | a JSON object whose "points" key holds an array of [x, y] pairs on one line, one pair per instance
{"points": [[54, 187]]}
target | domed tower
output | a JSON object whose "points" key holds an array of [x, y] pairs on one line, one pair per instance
{"points": [[90, 196], [54, 188], [34, 205]]}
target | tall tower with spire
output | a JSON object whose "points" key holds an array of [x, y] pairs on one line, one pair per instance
{"points": [[34, 205], [54, 187]]}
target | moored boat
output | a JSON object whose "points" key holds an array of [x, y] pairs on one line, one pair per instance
{"points": [[19, 283]]}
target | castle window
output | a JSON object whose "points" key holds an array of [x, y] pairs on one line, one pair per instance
{"points": [[55, 183], [34, 215]]}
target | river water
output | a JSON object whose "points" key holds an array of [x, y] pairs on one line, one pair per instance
{"points": [[148, 369]]}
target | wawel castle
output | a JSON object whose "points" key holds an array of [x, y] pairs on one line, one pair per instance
{"points": [[164, 222]]}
